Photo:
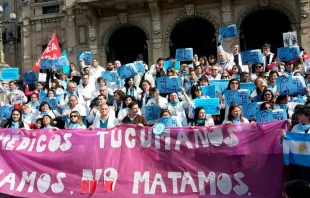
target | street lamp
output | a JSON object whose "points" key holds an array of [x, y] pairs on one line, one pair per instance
{"points": [[12, 20]]}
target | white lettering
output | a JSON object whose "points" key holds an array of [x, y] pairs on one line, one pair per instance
{"points": [[40, 148], [182, 137], [202, 138], [10, 144], [146, 143], [242, 188], [165, 135], [216, 136], [59, 186], [101, 138], [130, 132], [26, 178], [202, 179], [67, 145], [43, 182], [10, 179], [188, 180], [144, 178], [5, 140], [116, 143], [24, 144], [174, 176], [54, 143], [232, 140], [224, 183], [158, 180]]}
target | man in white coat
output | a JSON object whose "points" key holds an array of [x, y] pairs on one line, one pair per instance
{"points": [[234, 55], [86, 89]]}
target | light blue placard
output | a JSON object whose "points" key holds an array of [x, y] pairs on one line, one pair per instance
{"points": [[220, 85], [264, 116], [60, 62], [249, 110], [127, 71], [184, 54], [46, 63], [9, 74], [2, 109], [289, 53], [172, 63], [258, 98], [42, 94], [249, 86], [228, 31], [167, 84], [29, 77], [208, 91], [210, 105], [279, 114], [140, 67], [109, 76], [283, 85], [238, 97], [53, 102], [252, 56], [7, 111], [152, 113], [59, 96], [291, 85], [87, 57], [298, 85], [168, 121]]}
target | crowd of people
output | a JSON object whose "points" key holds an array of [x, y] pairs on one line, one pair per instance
{"points": [[87, 101]]}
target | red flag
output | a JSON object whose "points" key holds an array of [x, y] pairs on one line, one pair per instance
{"points": [[52, 51]]}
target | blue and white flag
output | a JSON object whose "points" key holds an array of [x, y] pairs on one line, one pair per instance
{"points": [[296, 148]]}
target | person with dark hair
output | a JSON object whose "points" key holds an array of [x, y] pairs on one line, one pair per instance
{"points": [[297, 110], [236, 71], [34, 103], [45, 109], [261, 85], [212, 60], [201, 118], [272, 81], [12, 90], [196, 93], [245, 77], [74, 75], [157, 69], [267, 95], [131, 89], [124, 111], [268, 57], [133, 117], [47, 122], [265, 106], [282, 102], [235, 115], [15, 121], [119, 96], [297, 189], [303, 125], [203, 81], [95, 68]]}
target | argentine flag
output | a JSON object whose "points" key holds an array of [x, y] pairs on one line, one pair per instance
{"points": [[296, 148]]}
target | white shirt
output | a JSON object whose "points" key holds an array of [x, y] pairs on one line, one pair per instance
{"points": [[112, 122], [79, 108]]}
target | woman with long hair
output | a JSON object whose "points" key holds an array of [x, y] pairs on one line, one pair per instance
{"points": [[15, 121], [74, 75], [131, 90], [235, 115], [201, 118], [75, 121], [47, 122], [236, 71], [260, 87], [119, 96], [124, 111]]}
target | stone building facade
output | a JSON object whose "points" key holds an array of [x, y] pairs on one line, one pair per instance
{"points": [[91, 25]]}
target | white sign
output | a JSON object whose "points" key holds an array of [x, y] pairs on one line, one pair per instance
{"points": [[290, 39]]}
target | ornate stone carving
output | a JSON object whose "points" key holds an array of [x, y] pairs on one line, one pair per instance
{"points": [[38, 26], [155, 16], [70, 15], [90, 15], [226, 12], [263, 3], [123, 17], [305, 8], [190, 9], [92, 33]]}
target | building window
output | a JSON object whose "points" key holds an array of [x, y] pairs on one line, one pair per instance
{"points": [[51, 9]]}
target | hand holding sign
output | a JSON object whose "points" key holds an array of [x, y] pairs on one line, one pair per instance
{"points": [[29, 77]]}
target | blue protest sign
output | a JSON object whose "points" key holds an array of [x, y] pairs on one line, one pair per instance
{"points": [[66, 68], [238, 97], [252, 56], [59, 96], [291, 85], [53, 102], [184, 54], [172, 63], [167, 84], [258, 98], [42, 94], [168, 121], [210, 105], [298, 85], [109, 76], [7, 111], [140, 67], [289, 53], [249, 110], [29, 77], [9, 74], [60, 62], [249, 86], [279, 114], [46, 63], [264, 116], [87, 57], [208, 91], [228, 31], [127, 71], [220, 85], [152, 112]]}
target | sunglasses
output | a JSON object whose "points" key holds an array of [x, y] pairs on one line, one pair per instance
{"points": [[225, 76], [234, 83], [267, 108], [169, 71], [213, 69], [73, 116]]}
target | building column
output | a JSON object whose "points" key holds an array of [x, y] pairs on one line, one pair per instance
{"points": [[305, 25], [70, 33], [150, 53]]}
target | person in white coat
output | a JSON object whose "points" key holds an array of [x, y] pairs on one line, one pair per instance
{"points": [[86, 90], [234, 55], [13, 90], [95, 68], [175, 106], [75, 121], [105, 120]]}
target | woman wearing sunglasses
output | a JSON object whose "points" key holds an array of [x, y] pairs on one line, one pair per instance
{"points": [[75, 121]]}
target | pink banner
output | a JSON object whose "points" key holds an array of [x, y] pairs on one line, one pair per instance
{"points": [[128, 161]]}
